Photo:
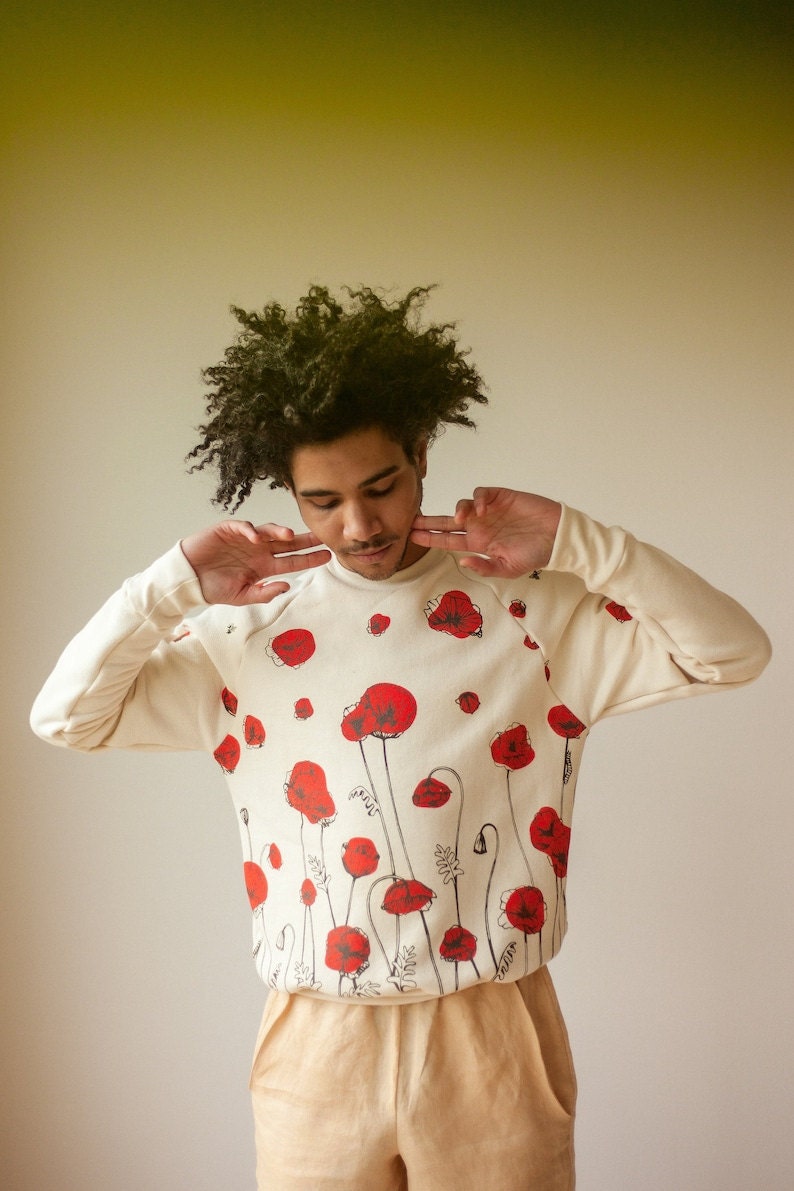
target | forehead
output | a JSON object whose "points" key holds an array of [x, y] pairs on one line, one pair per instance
{"points": [[346, 462]]}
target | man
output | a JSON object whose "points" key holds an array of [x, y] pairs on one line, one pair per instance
{"points": [[399, 704]]}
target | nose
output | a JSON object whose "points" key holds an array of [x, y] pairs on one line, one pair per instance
{"points": [[361, 522]]}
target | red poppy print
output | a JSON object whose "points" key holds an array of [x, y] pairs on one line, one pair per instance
{"points": [[254, 732], [529, 643], [227, 754], [525, 909], [229, 701], [274, 856], [292, 648], [468, 702], [431, 793], [406, 897], [307, 792], [255, 883], [360, 856], [565, 723], [618, 611], [458, 945], [518, 609], [308, 892], [303, 709], [385, 711], [550, 835], [454, 613], [347, 950], [378, 624], [512, 748]]}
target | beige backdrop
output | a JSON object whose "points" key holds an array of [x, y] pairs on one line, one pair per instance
{"points": [[607, 209]]}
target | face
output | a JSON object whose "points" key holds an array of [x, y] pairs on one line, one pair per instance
{"points": [[360, 494]]}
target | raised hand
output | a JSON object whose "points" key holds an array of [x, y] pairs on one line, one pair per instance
{"points": [[234, 560], [508, 533]]}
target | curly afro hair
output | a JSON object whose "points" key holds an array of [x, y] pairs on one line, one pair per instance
{"points": [[328, 370]]}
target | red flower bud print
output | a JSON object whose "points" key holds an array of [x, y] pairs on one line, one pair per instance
{"points": [[303, 709], [385, 711], [254, 732], [565, 723], [513, 748], [307, 792], [378, 624], [458, 945], [431, 792], [308, 892], [524, 908], [255, 883], [454, 613], [292, 648], [274, 856], [467, 701], [618, 611], [229, 701], [529, 643], [227, 754], [360, 856], [347, 950], [518, 609], [550, 835]]}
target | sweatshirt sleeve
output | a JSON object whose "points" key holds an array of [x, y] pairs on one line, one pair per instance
{"points": [[130, 679], [649, 629]]}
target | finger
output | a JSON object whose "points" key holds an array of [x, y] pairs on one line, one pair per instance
{"points": [[287, 563], [439, 540], [488, 567], [301, 541], [436, 523], [263, 593], [273, 532], [463, 510]]}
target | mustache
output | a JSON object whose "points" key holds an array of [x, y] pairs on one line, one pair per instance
{"points": [[369, 547]]}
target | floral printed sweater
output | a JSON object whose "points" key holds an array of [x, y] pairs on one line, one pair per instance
{"points": [[401, 755]]}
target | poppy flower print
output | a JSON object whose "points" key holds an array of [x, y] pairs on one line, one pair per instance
{"points": [[550, 835], [308, 892], [518, 609], [254, 732], [378, 624], [618, 612], [360, 857], [431, 793], [307, 792], [468, 702], [458, 945], [347, 950], [529, 643], [292, 648], [513, 748], [565, 723], [229, 701], [407, 897], [524, 909], [303, 709], [274, 856], [385, 710], [227, 754], [255, 883], [455, 614]]}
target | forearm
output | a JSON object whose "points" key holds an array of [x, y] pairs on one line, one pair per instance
{"points": [[119, 667], [709, 636]]}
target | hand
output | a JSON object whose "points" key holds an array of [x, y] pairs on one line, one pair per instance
{"points": [[515, 531], [233, 559]]}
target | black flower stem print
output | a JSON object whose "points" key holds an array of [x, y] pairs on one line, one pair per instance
{"points": [[515, 828], [378, 805], [457, 777], [481, 848], [394, 808]]}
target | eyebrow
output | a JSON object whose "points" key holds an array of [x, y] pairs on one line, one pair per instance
{"points": [[370, 480]]}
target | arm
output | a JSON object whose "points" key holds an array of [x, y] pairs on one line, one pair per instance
{"points": [[681, 636], [123, 682]]}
